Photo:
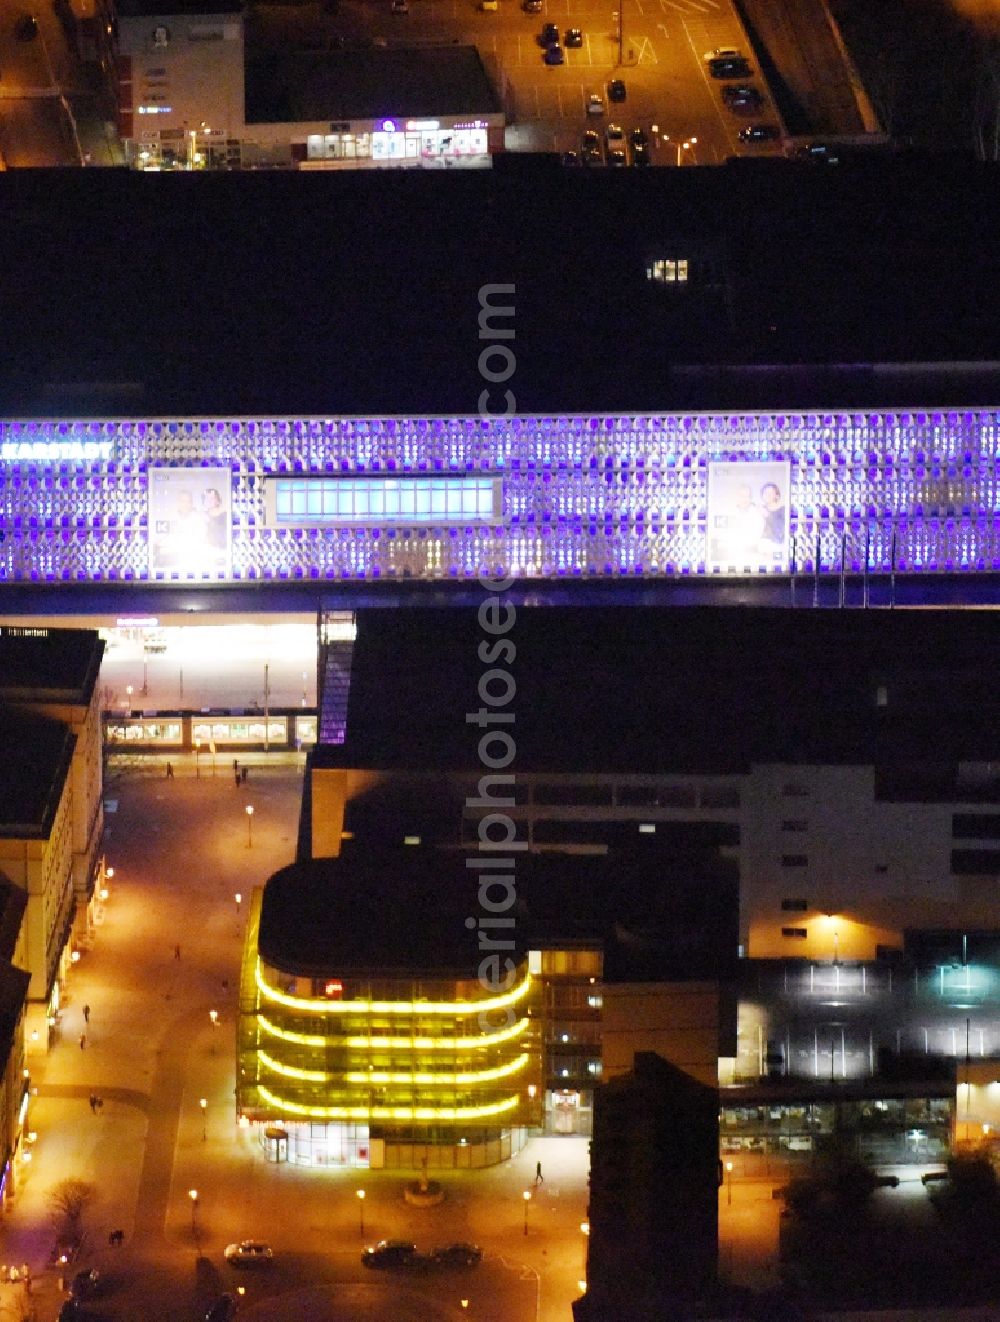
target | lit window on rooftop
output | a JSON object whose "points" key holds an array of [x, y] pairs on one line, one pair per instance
{"points": [[411, 839], [647, 828], [668, 271]]}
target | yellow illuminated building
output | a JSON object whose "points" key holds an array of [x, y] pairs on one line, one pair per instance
{"points": [[359, 1065]]}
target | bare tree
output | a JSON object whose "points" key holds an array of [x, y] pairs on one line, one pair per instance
{"points": [[68, 1201]]}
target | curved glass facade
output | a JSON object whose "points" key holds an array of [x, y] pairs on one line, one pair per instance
{"points": [[437, 1061], [639, 495]]}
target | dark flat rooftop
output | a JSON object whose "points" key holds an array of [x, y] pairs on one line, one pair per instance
{"points": [[357, 291], [49, 665], [171, 8], [401, 911], [33, 769], [310, 86], [676, 690]]}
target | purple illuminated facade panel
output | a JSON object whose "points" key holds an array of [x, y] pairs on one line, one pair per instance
{"points": [[581, 496]]}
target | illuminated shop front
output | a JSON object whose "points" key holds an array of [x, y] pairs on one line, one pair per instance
{"points": [[427, 143], [663, 495], [362, 1068]]}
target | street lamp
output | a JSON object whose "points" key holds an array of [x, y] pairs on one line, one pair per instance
{"points": [[681, 145], [193, 1195], [128, 691], [729, 1183], [203, 1103], [27, 29], [527, 1199], [238, 897], [249, 826], [361, 1208], [214, 1016]]}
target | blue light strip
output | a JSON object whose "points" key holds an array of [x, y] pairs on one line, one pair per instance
{"points": [[601, 496]]}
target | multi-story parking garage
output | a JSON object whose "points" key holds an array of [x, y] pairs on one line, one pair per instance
{"points": [[664, 495]]}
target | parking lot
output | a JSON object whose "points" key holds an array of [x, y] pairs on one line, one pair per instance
{"points": [[669, 93]]}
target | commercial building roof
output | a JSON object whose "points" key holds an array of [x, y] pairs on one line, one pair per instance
{"points": [[36, 757], [707, 690], [407, 910], [309, 86], [39, 664], [357, 291]]}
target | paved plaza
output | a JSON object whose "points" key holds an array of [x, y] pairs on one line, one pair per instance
{"points": [[180, 852]]}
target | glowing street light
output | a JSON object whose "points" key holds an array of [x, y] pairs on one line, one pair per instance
{"points": [[249, 826], [203, 1103], [527, 1199], [729, 1183], [193, 1195], [361, 1208], [238, 897]]}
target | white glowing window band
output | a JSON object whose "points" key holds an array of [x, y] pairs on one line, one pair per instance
{"points": [[389, 1112], [384, 500]]}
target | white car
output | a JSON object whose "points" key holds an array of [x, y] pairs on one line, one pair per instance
{"points": [[595, 104], [723, 53], [248, 1251]]}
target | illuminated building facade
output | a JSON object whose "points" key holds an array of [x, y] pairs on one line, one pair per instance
{"points": [[365, 1040], [696, 495]]}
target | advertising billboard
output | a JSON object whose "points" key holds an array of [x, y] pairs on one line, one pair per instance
{"points": [[190, 520], [748, 516]]}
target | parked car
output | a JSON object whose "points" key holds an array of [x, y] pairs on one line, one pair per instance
{"points": [[640, 147], [391, 1253], [223, 1310], [458, 1255], [550, 35], [570, 158], [590, 148], [742, 98], [85, 1284], [595, 104], [760, 133], [728, 66], [723, 53], [489, 6], [554, 55], [616, 156], [614, 138], [616, 90], [248, 1251], [532, 6], [574, 38]]}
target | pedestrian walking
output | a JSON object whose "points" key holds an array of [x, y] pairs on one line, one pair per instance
{"points": [[83, 1040], [539, 1177], [93, 1102], [237, 774], [245, 774], [170, 771], [100, 1103], [177, 952], [86, 1014], [236, 765]]}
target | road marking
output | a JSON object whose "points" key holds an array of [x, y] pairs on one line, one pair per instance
{"points": [[663, 29], [590, 53], [646, 52], [638, 6]]}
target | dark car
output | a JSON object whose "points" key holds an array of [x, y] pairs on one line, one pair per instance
{"points": [[574, 37], [532, 6], [458, 1255], [760, 133], [554, 55], [570, 158], [550, 35], [391, 1253], [85, 1284], [640, 147], [616, 156], [729, 66], [616, 90], [742, 98], [590, 148], [223, 1310]]}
